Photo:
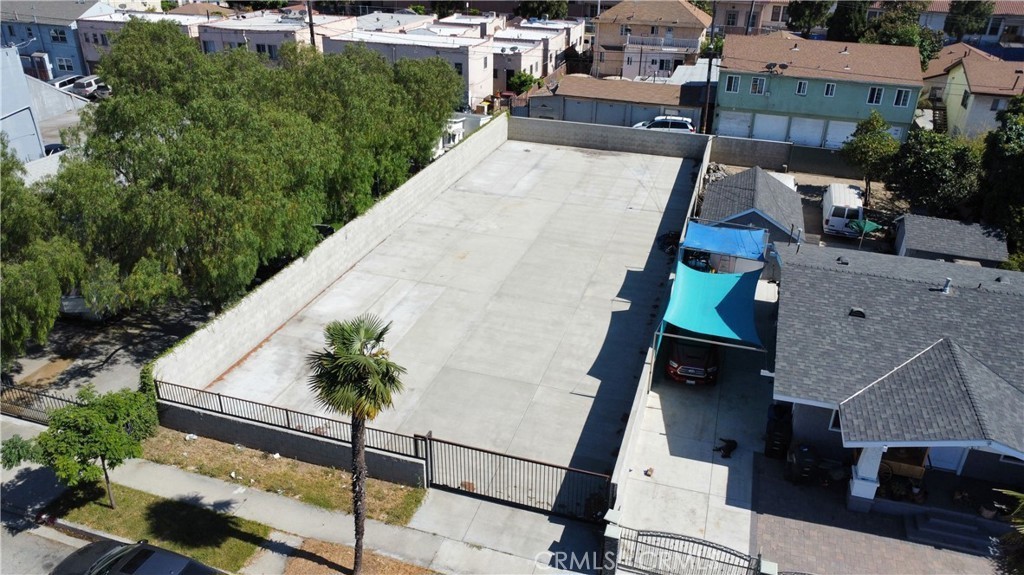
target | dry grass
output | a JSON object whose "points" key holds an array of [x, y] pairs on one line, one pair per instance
{"points": [[333, 556], [321, 486]]}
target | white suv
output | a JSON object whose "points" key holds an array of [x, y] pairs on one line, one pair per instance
{"points": [[668, 124]]}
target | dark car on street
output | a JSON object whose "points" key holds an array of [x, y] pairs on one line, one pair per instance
{"points": [[116, 558], [693, 362]]}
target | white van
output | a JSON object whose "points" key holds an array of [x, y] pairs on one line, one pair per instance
{"points": [[65, 82], [842, 203]]}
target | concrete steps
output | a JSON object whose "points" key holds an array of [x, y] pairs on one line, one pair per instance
{"points": [[957, 531]]}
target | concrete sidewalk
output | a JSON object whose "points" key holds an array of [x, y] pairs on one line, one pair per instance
{"points": [[31, 488]]}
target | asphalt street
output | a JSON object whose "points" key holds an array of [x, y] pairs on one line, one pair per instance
{"points": [[27, 550]]}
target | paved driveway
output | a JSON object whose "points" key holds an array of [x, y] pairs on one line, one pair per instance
{"points": [[521, 299]]}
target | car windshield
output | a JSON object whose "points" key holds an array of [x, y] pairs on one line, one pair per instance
{"points": [[106, 563]]}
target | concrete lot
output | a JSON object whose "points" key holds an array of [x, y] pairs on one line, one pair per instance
{"points": [[523, 299]]}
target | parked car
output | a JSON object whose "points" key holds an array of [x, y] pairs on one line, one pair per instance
{"points": [[84, 87], [51, 149], [116, 558], [841, 204], [668, 124], [65, 82], [101, 92], [693, 362]]}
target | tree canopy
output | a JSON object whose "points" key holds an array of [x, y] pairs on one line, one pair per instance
{"points": [[871, 149], [899, 26], [805, 15], [936, 172], [849, 21], [203, 167], [554, 9], [1003, 203], [967, 17]]}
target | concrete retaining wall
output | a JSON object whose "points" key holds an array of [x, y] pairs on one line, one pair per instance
{"points": [[821, 161], [211, 351], [290, 444], [611, 138], [749, 153]]}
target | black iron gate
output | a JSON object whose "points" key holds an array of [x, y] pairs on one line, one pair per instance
{"points": [[508, 479], [658, 553]]}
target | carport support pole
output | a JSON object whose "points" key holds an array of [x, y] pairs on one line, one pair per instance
{"points": [[865, 479]]}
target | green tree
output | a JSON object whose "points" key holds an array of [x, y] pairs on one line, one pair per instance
{"points": [[256, 5], [967, 17], [805, 15], [899, 26], [936, 172], [418, 8], [168, 5], [1010, 560], [433, 90], [703, 5], [83, 442], [445, 8], [354, 375], [871, 149], [1003, 203], [849, 21], [554, 9], [712, 45], [521, 82]]}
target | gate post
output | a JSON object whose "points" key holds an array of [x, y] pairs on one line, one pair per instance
{"points": [[609, 561], [425, 451]]}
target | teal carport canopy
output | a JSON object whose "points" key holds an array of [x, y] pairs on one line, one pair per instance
{"points": [[716, 305], [746, 243]]}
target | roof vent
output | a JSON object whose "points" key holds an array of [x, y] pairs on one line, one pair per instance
{"points": [[795, 48], [846, 51], [999, 279], [841, 260], [857, 312], [949, 282]]}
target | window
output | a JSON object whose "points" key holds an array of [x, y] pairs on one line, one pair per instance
{"points": [[665, 65], [65, 65], [104, 40], [732, 84], [993, 26], [629, 60], [875, 95], [209, 47], [57, 35], [902, 98], [757, 86], [998, 104], [495, 73], [95, 38], [600, 56], [654, 30], [730, 18], [485, 63], [458, 68], [966, 99], [623, 30], [801, 88], [780, 13], [272, 51], [835, 424], [830, 90], [10, 30], [31, 34], [752, 19], [261, 48]]}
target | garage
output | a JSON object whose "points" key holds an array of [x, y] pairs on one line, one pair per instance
{"points": [[838, 132], [735, 124], [771, 127], [806, 132]]}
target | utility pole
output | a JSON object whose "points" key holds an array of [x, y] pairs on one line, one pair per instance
{"points": [[750, 17], [705, 120], [309, 12]]}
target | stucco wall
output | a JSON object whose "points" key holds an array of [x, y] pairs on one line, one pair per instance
{"points": [[290, 444], [212, 350], [821, 161], [749, 153], [48, 102], [612, 138]]}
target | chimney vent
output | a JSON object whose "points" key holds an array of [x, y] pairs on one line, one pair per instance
{"points": [[857, 312]]}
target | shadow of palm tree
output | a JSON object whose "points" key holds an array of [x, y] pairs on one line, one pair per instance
{"points": [[191, 522]]}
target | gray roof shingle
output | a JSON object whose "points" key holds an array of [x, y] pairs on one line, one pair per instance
{"points": [[941, 394], [60, 12], [953, 238], [825, 356], [753, 189]]}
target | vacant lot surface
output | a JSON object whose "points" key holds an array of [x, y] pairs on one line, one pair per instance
{"points": [[522, 298]]}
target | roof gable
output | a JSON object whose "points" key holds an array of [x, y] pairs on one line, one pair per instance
{"points": [[753, 189], [55, 12], [951, 55], [953, 238], [820, 59], [995, 78], [657, 13]]}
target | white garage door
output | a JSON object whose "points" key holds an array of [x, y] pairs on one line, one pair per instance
{"points": [[837, 133], [734, 124], [769, 127], [806, 131]]}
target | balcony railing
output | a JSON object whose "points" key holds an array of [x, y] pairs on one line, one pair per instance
{"points": [[655, 42]]}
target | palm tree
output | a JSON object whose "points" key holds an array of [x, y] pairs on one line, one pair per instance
{"points": [[354, 376]]}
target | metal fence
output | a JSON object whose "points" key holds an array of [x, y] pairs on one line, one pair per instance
{"points": [[524, 482], [661, 553], [31, 405], [285, 418]]}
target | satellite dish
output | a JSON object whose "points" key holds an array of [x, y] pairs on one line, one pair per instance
{"points": [[502, 50], [122, 6], [770, 65], [783, 66]]}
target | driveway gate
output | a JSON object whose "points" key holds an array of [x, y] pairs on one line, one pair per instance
{"points": [[508, 479], [660, 553]]}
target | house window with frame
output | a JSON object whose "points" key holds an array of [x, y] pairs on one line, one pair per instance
{"points": [[830, 90], [801, 87], [495, 73], [623, 30], [875, 95], [665, 65], [458, 68], [654, 30], [731, 18], [31, 34], [95, 38], [629, 60], [966, 99], [902, 99], [994, 26], [209, 47], [752, 19], [757, 86], [261, 48], [10, 30], [998, 104], [58, 35], [104, 40], [65, 65], [780, 13], [600, 57], [732, 84]]}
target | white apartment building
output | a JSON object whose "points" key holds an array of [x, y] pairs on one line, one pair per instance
{"points": [[265, 32], [95, 32], [384, 22], [553, 43], [511, 56], [486, 24]]}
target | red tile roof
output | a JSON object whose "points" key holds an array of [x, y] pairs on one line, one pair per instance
{"points": [[845, 61]]}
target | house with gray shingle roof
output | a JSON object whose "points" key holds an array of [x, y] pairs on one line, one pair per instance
{"points": [[45, 34], [950, 240], [888, 354], [755, 198]]}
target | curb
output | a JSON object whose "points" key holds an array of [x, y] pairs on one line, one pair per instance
{"points": [[63, 526]]}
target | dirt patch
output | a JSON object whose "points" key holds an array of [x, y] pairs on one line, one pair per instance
{"points": [[319, 557], [47, 374]]}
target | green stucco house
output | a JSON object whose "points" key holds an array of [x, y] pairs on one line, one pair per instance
{"points": [[812, 92]]}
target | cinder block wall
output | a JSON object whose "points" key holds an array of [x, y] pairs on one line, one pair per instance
{"points": [[611, 138], [290, 444], [749, 153], [212, 350]]}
